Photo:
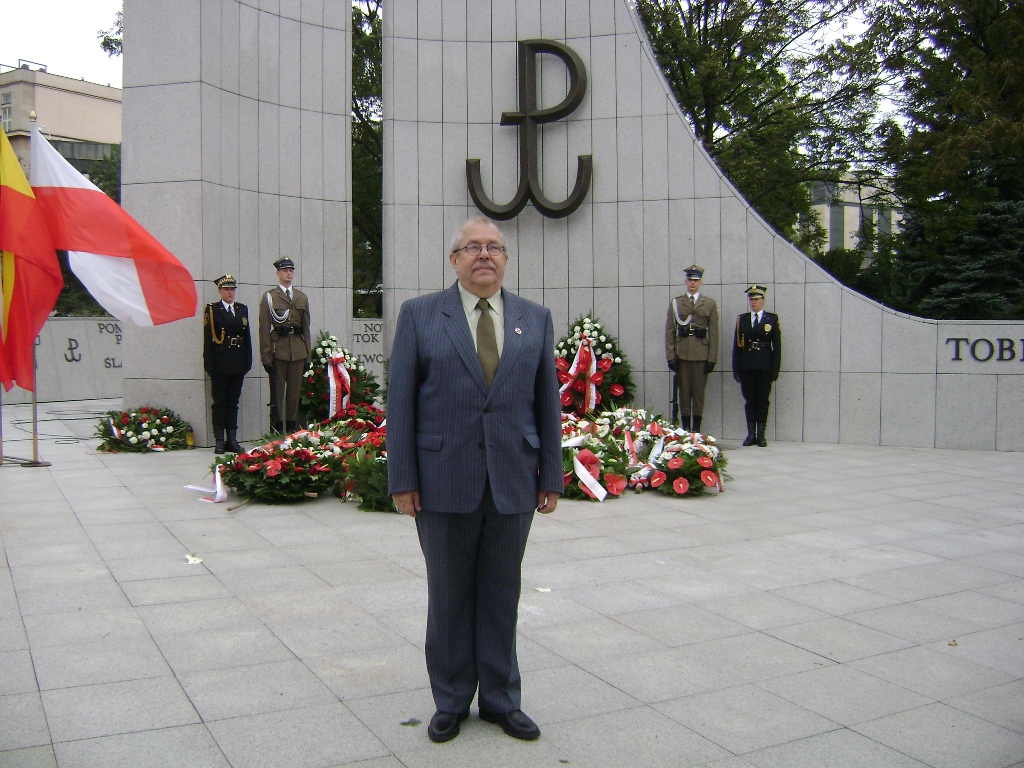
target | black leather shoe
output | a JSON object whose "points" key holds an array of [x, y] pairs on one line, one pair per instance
{"points": [[516, 724], [444, 726]]}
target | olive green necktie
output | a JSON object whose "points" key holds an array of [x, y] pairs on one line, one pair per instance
{"points": [[486, 345]]}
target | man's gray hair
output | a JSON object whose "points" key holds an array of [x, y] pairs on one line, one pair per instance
{"points": [[457, 237]]}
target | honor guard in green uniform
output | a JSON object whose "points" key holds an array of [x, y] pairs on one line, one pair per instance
{"points": [[227, 357], [284, 344], [691, 346], [756, 360]]}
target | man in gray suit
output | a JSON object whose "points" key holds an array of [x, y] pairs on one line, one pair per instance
{"points": [[474, 448]]}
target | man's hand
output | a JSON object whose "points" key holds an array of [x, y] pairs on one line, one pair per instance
{"points": [[671, 365], [269, 368], [546, 502], [407, 502], [709, 367]]}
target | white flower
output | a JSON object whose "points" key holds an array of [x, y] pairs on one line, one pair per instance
{"points": [[133, 440], [333, 338], [163, 439], [603, 338], [597, 325], [361, 368], [145, 435], [576, 330], [618, 359], [169, 429]]}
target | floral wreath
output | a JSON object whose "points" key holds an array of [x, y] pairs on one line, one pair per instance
{"points": [[630, 448], [141, 430], [592, 370], [335, 380]]}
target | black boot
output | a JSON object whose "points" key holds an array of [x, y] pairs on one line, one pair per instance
{"points": [[218, 435], [696, 420], [751, 437], [232, 443], [684, 422], [761, 441]]}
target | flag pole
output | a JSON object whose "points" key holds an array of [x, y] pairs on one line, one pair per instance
{"points": [[36, 462]]}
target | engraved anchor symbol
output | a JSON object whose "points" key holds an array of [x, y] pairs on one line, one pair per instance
{"points": [[72, 346], [529, 119]]}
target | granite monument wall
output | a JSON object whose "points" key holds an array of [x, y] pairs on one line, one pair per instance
{"points": [[853, 371]]}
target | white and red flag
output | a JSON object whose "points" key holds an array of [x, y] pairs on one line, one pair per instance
{"points": [[123, 266]]}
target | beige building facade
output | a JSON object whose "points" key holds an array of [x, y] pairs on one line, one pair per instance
{"points": [[72, 111]]}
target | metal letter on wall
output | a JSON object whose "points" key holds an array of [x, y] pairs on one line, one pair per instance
{"points": [[529, 119]]}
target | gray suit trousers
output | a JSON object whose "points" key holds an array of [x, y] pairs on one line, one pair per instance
{"points": [[474, 565]]}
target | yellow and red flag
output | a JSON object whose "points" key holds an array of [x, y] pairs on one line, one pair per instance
{"points": [[30, 274]]}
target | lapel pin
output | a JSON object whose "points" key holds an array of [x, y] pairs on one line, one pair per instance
{"points": [[519, 331]]}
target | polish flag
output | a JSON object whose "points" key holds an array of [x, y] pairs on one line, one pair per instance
{"points": [[123, 266]]}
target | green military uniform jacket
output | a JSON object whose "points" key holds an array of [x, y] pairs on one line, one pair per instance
{"points": [[284, 326]]}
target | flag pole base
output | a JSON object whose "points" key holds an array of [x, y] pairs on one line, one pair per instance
{"points": [[19, 462]]}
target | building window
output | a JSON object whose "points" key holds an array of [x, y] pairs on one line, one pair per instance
{"points": [[5, 111]]}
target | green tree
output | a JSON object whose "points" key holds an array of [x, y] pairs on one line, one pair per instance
{"points": [[776, 98], [956, 157], [106, 173], [367, 159], [111, 39]]}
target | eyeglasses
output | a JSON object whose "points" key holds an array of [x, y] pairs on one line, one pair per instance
{"points": [[475, 249]]}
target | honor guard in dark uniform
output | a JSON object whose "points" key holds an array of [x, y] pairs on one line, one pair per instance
{"points": [[227, 357], [691, 346], [284, 344], [756, 360]]}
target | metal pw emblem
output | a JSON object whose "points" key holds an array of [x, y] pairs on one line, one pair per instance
{"points": [[529, 119]]}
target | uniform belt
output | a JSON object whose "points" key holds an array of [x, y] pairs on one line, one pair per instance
{"points": [[234, 341], [288, 330], [757, 346], [689, 330]]}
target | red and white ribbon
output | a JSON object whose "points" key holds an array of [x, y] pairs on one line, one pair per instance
{"points": [[584, 365], [339, 384], [219, 490], [588, 479]]}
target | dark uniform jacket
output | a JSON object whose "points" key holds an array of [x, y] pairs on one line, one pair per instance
{"points": [[757, 349], [227, 343], [696, 340], [287, 339]]}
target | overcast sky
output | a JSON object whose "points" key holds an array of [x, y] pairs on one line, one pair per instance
{"points": [[61, 34]]}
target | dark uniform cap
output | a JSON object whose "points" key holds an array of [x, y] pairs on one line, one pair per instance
{"points": [[693, 272], [225, 281], [756, 291], [284, 263]]}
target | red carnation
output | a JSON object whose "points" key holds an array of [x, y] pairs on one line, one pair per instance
{"points": [[144, 409], [617, 390], [658, 478], [124, 419], [709, 478], [605, 364], [681, 485], [705, 462]]}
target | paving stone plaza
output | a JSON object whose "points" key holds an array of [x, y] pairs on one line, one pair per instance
{"points": [[840, 606]]}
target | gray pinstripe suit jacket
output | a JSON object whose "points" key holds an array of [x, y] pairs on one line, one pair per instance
{"points": [[447, 434]]}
